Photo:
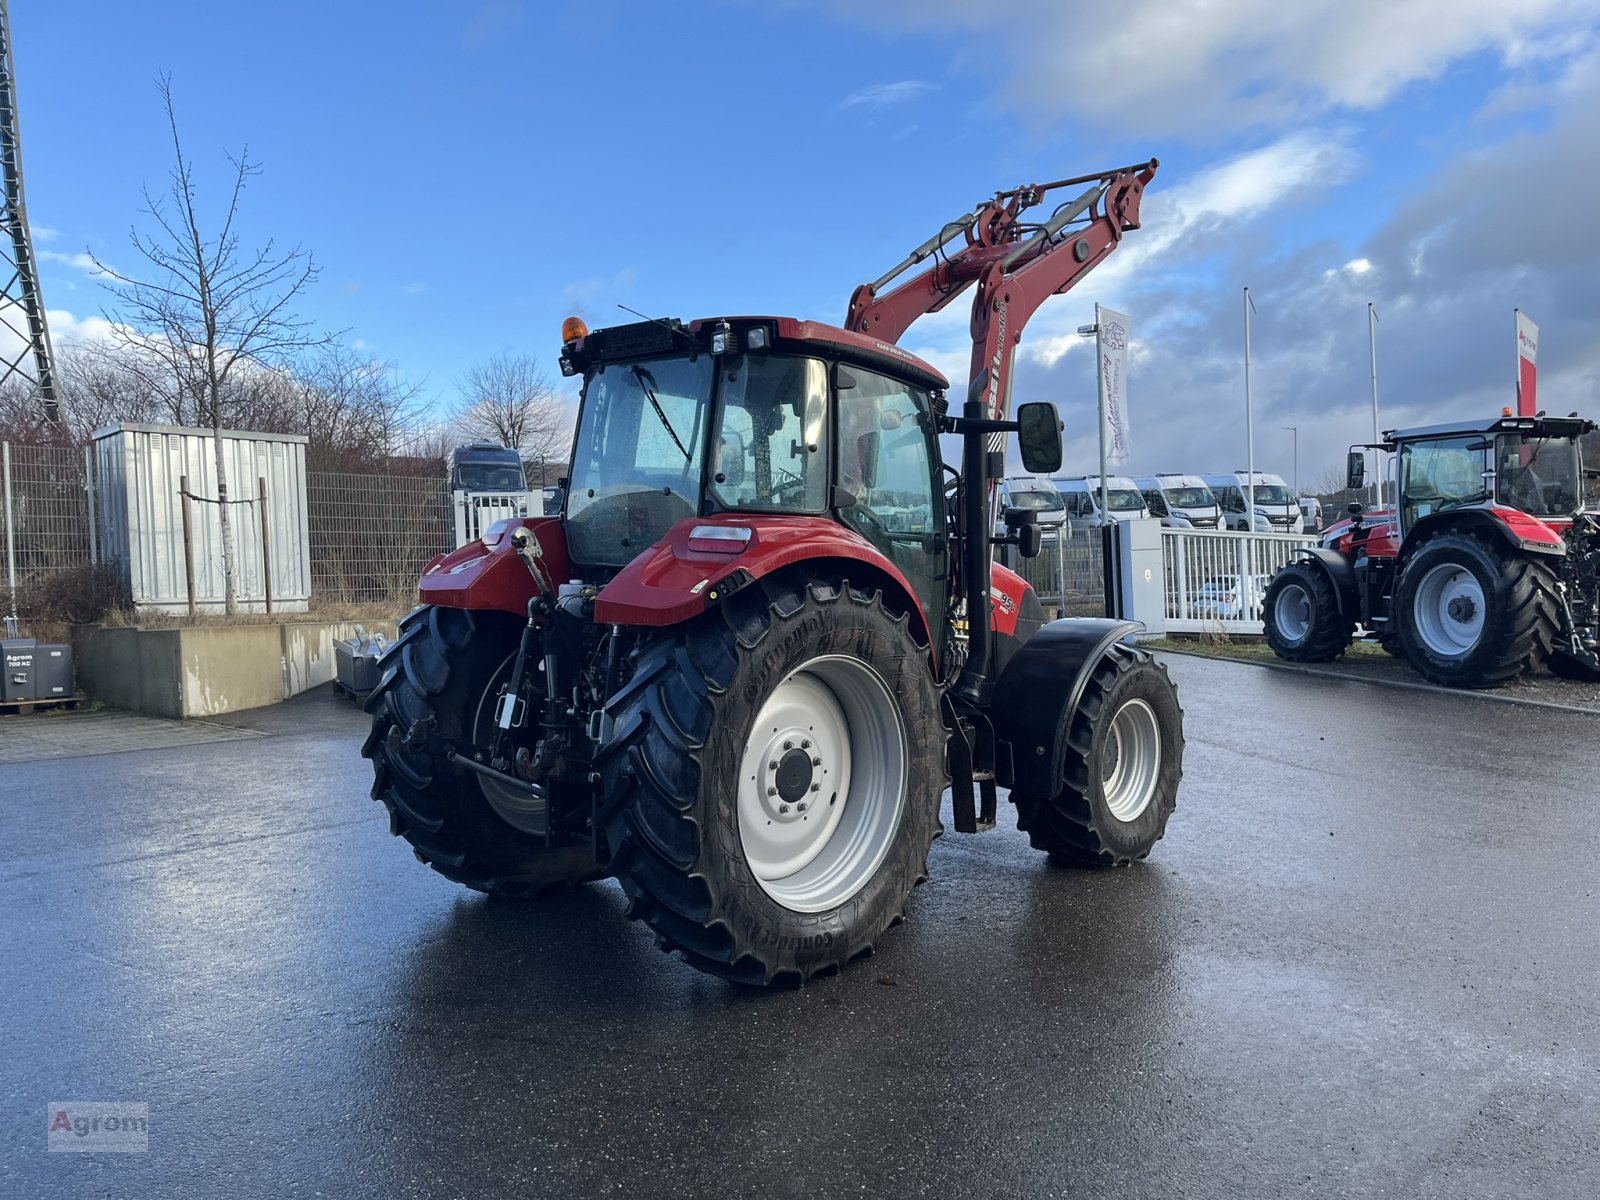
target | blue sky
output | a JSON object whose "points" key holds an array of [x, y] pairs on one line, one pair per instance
{"points": [[467, 175]]}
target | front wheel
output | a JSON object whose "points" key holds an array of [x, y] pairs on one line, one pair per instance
{"points": [[773, 784], [1124, 760], [1474, 614], [1301, 615]]}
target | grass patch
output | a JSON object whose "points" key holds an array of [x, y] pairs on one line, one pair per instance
{"points": [[1254, 650]]}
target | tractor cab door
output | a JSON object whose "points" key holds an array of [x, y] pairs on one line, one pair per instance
{"points": [[889, 463]]}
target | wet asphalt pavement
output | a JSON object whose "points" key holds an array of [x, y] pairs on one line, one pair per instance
{"points": [[1363, 962]]}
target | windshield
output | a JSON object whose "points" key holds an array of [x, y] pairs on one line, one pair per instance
{"points": [[1273, 493], [489, 477], [637, 456], [1537, 475], [1190, 497], [1037, 500], [1124, 500]]}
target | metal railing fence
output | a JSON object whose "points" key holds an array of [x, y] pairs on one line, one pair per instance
{"points": [[1216, 581], [1068, 574]]}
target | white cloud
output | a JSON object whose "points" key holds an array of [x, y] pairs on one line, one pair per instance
{"points": [[879, 95], [43, 233], [1208, 66], [67, 327], [78, 262]]}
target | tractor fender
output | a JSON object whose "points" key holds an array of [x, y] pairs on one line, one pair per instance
{"points": [[679, 577], [1512, 527], [491, 577], [1037, 694], [1340, 573]]}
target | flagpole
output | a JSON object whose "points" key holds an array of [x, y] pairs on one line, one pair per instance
{"points": [[1249, 425], [1377, 456], [1100, 383]]}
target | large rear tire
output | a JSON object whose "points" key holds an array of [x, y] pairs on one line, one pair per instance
{"points": [[774, 780], [1123, 764], [447, 667], [1472, 613], [1301, 615]]}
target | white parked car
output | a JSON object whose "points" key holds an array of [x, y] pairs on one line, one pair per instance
{"points": [[1219, 597]]}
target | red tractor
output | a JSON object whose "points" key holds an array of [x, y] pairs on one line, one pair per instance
{"points": [[1488, 565], [738, 669]]}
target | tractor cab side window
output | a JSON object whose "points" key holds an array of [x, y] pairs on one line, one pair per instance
{"points": [[888, 463], [1442, 474], [769, 450]]}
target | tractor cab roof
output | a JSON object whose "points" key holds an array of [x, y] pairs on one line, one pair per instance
{"points": [[1527, 426], [646, 338]]}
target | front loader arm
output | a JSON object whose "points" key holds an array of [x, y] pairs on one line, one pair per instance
{"points": [[1017, 266]]}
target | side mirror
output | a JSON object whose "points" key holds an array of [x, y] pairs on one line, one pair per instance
{"points": [[890, 418], [1030, 540], [1355, 472], [1039, 437], [867, 457]]}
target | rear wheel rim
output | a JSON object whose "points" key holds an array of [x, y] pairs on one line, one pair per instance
{"points": [[1131, 763], [1292, 612], [822, 784], [1448, 611]]}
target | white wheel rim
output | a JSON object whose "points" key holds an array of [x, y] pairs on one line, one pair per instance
{"points": [[822, 784], [1130, 764], [1292, 612], [1449, 610]]}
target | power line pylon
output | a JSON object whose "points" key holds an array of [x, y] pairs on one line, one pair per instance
{"points": [[21, 292]]}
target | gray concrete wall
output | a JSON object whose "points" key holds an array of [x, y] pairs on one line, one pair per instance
{"points": [[207, 670]]}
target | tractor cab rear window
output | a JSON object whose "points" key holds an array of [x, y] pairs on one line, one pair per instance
{"points": [[1538, 475]]}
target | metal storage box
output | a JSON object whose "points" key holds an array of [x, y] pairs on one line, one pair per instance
{"points": [[52, 672], [17, 655], [139, 470], [355, 667]]}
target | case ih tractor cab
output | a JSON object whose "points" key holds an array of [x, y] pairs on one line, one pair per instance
{"points": [[737, 670], [1490, 567]]}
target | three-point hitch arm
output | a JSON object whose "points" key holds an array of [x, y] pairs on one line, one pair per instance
{"points": [[1017, 266]]}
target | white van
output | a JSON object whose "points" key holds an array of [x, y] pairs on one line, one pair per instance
{"points": [[1277, 511], [1038, 494], [1081, 494], [1181, 501]]}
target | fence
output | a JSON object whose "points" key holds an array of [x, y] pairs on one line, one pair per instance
{"points": [[1214, 581], [1068, 574], [44, 514], [371, 535]]}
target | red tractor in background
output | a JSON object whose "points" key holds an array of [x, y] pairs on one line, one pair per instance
{"points": [[1488, 565], [738, 669]]}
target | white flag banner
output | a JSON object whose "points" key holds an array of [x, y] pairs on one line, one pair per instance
{"points": [[1112, 342]]}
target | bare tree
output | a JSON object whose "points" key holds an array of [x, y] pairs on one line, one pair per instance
{"points": [[209, 311], [509, 400]]}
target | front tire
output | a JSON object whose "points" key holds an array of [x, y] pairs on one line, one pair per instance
{"points": [[443, 672], [774, 781], [1474, 614], [1124, 761], [1301, 615]]}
